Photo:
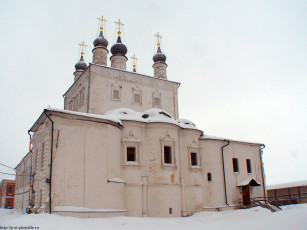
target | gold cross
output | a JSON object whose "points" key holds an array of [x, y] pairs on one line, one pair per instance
{"points": [[83, 47], [158, 36], [134, 59], [134, 62], [101, 22], [119, 24]]}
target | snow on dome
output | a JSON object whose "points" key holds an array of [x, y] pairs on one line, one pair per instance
{"points": [[125, 114], [185, 123], [157, 114], [149, 116]]}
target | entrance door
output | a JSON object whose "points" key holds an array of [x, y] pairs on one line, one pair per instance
{"points": [[245, 195]]}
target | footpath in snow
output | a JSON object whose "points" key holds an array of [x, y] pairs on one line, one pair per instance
{"points": [[292, 217]]}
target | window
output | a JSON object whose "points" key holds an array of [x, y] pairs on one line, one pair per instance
{"points": [[168, 155], [248, 166], [170, 210], [131, 150], [42, 155], [209, 176], [10, 191], [194, 161], [137, 98], [9, 204], [115, 94], [168, 151], [156, 102], [235, 164], [131, 154]]}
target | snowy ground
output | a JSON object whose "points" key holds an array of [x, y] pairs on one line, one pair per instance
{"points": [[292, 217]]}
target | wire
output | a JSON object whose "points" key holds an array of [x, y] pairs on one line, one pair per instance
{"points": [[7, 166], [11, 168], [7, 173]]}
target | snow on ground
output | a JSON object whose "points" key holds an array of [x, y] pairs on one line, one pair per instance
{"points": [[292, 217]]}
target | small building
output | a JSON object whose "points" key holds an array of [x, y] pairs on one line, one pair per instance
{"points": [[7, 188], [288, 193]]}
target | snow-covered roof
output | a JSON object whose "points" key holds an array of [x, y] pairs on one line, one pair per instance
{"points": [[287, 185], [248, 181], [102, 118], [149, 116], [209, 137], [123, 114]]}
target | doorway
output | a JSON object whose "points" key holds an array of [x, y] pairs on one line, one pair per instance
{"points": [[246, 195]]}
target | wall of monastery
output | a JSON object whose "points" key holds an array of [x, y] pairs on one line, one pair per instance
{"points": [[22, 185], [40, 151], [76, 97], [103, 80], [87, 157]]}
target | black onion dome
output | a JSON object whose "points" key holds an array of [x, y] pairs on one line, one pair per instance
{"points": [[119, 48], [159, 56], [81, 65], [101, 41]]}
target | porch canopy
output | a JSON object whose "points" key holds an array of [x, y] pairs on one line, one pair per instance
{"points": [[248, 181]]}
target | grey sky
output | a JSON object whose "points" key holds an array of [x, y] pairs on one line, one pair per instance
{"points": [[242, 65]]}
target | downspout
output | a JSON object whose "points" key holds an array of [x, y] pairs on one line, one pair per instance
{"points": [[51, 151], [88, 90], [228, 142], [264, 192], [30, 173]]}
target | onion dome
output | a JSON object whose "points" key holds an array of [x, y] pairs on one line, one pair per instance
{"points": [[81, 65], [101, 41], [119, 49], [159, 56]]}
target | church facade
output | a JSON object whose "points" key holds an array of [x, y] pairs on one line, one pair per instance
{"points": [[119, 148]]}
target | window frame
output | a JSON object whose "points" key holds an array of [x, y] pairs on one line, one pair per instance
{"points": [[194, 164], [140, 95], [249, 166], [157, 95], [235, 165], [134, 153], [131, 143], [209, 177], [115, 99], [168, 143], [194, 149], [8, 190]]}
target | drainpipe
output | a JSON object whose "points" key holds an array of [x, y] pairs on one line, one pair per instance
{"points": [[88, 89], [30, 173], [228, 142], [261, 151], [51, 151]]}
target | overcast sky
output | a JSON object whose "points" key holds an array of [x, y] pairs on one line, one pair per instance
{"points": [[242, 65]]}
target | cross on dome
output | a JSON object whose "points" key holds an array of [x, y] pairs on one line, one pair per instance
{"points": [[101, 21], [134, 58], [83, 47], [159, 37], [120, 25]]}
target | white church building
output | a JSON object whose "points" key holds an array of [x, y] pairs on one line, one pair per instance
{"points": [[119, 148]]}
